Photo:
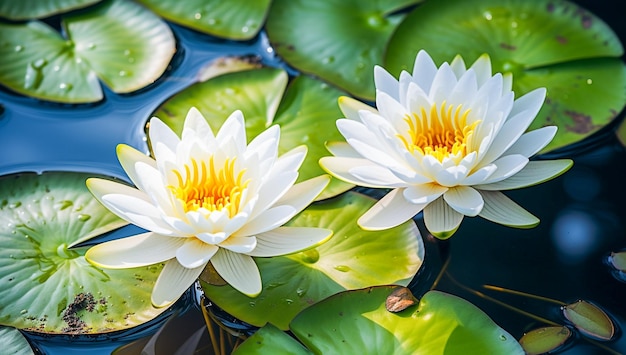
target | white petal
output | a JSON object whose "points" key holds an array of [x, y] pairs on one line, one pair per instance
{"points": [[195, 253], [342, 149], [424, 193], [464, 200], [268, 220], [532, 142], [465, 88], [507, 166], [196, 125], [443, 84], [508, 135], [482, 67], [288, 240], [128, 157], [303, 193], [239, 244], [234, 129], [535, 172], [239, 271], [135, 251], [159, 132], [266, 143], [385, 82], [376, 176], [441, 220], [458, 66], [451, 176], [212, 238], [351, 107], [480, 175], [500, 209], [340, 168], [277, 186], [424, 70], [173, 281], [129, 204], [388, 107], [530, 102], [390, 211]]}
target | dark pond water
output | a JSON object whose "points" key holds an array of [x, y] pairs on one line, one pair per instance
{"points": [[583, 217]]}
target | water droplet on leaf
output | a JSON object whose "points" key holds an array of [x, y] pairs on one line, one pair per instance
{"points": [[342, 268], [83, 217]]}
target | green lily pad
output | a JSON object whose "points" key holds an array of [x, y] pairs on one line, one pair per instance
{"points": [[339, 41], [119, 42], [351, 259], [31, 9], [13, 342], [270, 340], [543, 340], [234, 19], [306, 111], [356, 322], [552, 44], [46, 285], [590, 320]]}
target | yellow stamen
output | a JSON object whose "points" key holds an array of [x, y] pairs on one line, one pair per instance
{"points": [[440, 133], [209, 188]]}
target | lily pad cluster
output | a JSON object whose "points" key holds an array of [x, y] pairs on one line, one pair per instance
{"points": [[47, 286], [354, 322], [117, 43]]}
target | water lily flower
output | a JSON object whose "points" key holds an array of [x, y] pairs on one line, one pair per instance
{"points": [[445, 140], [207, 197]]}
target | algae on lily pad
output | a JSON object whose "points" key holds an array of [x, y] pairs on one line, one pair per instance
{"points": [[338, 41], [117, 42], [233, 19], [306, 110], [351, 259], [46, 285], [356, 322], [31, 9], [553, 44]]}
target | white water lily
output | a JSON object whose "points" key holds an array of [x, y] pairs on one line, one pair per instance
{"points": [[445, 141], [204, 198]]}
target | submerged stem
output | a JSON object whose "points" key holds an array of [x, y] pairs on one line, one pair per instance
{"points": [[521, 293]]}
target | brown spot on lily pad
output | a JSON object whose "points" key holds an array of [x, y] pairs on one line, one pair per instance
{"points": [[71, 315], [581, 123], [561, 39], [508, 47]]}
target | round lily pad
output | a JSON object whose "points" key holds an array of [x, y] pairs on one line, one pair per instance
{"points": [[46, 285], [351, 259], [306, 110], [339, 41], [31, 9], [356, 322], [119, 42], [13, 342], [553, 44], [234, 19]]}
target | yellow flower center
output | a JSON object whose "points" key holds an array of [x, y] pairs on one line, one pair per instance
{"points": [[209, 188], [440, 133]]}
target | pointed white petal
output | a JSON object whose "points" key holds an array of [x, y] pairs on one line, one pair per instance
{"points": [[507, 166], [390, 211], [268, 220], [128, 157], [135, 251], [441, 220], [303, 193], [196, 125], [424, 70], [532, 142], [351, 107], [195, 253], [452, 176], [388, 107], [376, 176], [424, 193], [464, 200], [530, 102], [443, 84], [234, 128], [342, 149], [340, 168], [482, 67], [458, 66], [129, 204], [239, 270], [288, 240], [385, 82], [239, 244], [500, 209], [535, 172], [173, 281], [480, 175], [266, 143], [160, 132]]}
